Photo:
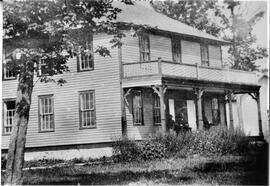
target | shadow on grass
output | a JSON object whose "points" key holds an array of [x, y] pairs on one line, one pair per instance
{"points": [[113, 178], [253, 170]]}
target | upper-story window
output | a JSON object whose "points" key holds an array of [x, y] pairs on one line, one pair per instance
{"points": [[176, 50], [144, 44], [85, 56], [41, 68], [46, 113], [8, 73], [137, 108], [87, 109], [204, 55], [9, 112]]}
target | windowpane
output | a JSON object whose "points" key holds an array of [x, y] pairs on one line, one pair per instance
{"points": [[87, 109], [46, 113], [9, 113], [8, 72]]}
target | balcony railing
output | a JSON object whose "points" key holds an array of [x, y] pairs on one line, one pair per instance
{"points": [[167, 68]]}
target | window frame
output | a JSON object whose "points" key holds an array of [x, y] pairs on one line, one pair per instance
{"points": [[39, 70], [144, 50], [4, 116], [141, 100], [40, 130], [81, 127], [5, 70], [156, 97], [81, 53], [205, 63], [178, 50]]}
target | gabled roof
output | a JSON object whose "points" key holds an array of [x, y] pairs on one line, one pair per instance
{"points": [[141, 13]]}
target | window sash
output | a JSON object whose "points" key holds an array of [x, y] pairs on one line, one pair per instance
{"points": [[87, 110], [176, 50], [137, 108], [9, 119], [144, 45], [8, 74], [204, 55], [46, 113], [156, 110], [85, 61]]}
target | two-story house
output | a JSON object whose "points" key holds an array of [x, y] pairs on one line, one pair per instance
{"points": [[170, 71]]}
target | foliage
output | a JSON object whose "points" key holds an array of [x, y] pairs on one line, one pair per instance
{"points": [[125, 149], [216, 141], [191, 12], [3, 162], [233, 28]]}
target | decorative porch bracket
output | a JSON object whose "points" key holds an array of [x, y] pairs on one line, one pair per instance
{"points": [[229, 94], [160, 90], [126, 94], [198, 101], [256, 97]]}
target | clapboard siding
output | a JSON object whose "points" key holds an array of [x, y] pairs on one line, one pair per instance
{"points": [[214, 56], [104, 80], [191, 52]]}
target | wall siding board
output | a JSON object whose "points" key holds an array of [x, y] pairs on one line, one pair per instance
{"points": [[215, 56], [104, 79]]}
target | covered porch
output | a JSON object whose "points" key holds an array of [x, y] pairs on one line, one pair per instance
{"points": [[151, 107]]}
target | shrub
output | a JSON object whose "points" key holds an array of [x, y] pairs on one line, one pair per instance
{"points": [[125, 149], [152, 149]]}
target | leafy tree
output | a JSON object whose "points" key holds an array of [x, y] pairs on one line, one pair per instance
{"points": [[191, 12], [233, 28], [45, 31]]}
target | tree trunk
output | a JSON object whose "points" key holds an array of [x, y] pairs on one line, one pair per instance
{"points": [[15, 159]]}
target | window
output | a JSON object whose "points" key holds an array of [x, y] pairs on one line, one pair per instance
{"points": [[215, 111], [87, 109], [144, 45], [41, 68], [9, 112], [8, 73], [204, 55], [137, 108], [176, 50], [46, 113], [85, 59], [156, 109]]}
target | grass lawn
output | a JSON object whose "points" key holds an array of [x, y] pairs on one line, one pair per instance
{"points": [[225, 170]]}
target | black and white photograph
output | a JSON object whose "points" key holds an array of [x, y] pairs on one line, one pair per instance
{"points": [[134, 92]]}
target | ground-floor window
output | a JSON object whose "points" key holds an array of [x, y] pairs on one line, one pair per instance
{"points": [[137, 108], [215, 111], [87, 109], [46, 113], [156, 110], [9, 112]]}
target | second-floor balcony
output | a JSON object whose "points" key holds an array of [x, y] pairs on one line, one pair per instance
{"points": [[188, 71]]}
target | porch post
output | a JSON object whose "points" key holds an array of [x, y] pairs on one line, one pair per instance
{"points": [[161, 91], [199, 116], [229, 94], [256, 97]]}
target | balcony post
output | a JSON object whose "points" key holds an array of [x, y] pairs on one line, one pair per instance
{"points": [[198, 101], [159, 66]]}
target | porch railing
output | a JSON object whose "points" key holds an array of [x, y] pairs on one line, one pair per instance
{"points": [[168, 68]]}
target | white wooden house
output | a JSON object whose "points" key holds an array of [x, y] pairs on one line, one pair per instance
{"points": [[171, 70]]}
